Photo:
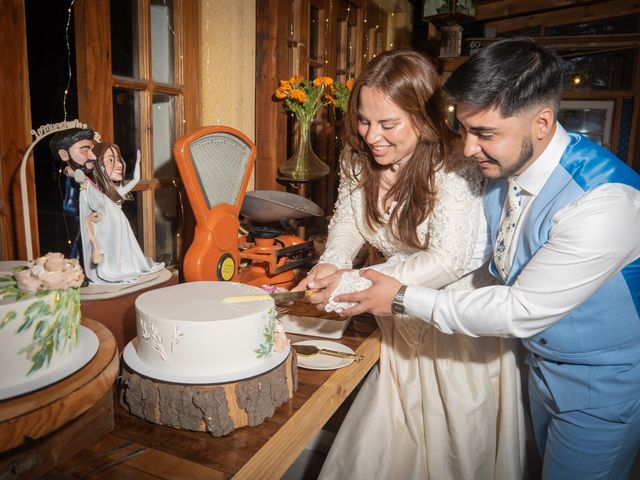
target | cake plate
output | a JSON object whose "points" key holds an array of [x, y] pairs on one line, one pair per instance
{"points": [[85, 351], [131, 358]]}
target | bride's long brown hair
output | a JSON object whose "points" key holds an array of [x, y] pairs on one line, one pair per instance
{"points": [[99, 174], [411, 82]]}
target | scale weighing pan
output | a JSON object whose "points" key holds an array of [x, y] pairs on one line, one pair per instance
{"points": [[272, 206]]}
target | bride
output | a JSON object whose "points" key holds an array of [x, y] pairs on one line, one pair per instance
{"points": [[111, 251], [437, 406]]}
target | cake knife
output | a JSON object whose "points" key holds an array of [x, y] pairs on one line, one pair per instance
{"points": [[277, 297]]}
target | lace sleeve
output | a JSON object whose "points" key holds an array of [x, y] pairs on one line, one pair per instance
{"points": [[452, 230], [344, 239]]}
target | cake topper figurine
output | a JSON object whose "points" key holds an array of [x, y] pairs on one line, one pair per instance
{"points": [[111, 253], [73, 147]]}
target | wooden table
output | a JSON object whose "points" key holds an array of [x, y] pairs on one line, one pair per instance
{"points": [[49, 425], [141, 450]]}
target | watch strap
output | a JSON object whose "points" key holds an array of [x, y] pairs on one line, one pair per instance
{"points": [[397, 305]]}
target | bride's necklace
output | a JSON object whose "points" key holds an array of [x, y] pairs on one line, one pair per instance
{"points": [[396, 166]]}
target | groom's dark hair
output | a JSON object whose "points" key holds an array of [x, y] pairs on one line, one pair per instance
{"points": [[510, 75]]}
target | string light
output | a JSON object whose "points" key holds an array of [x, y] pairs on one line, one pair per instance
{"points": [[167, 9], [349, 36], [168, 18], [389, 34], [66, 90], [291, 28], [366, 33], [295, 68], [64, 108], [326, 36], [376, 36], [181, 224], [64, 217]]}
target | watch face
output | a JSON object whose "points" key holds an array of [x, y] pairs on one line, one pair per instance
{"points": [[397, 308]]}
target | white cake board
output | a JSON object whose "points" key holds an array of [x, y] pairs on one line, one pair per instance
{"points": [[131, 358], [88, 344], [105, 292]]}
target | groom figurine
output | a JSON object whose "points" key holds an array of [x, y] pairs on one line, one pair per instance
{"points": [[73, 147], [564, 218]]}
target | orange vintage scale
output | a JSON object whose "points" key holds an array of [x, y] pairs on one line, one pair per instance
{"points": [[215, 164]]}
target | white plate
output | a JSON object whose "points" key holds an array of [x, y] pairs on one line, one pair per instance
{"points": [[88, 344], [321, 361], [314, 326], [131, 358]]}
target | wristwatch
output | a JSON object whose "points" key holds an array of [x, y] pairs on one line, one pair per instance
{"points": [[397, 305]]}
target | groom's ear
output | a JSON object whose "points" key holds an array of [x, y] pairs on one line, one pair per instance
{"points": [[543, 123]]}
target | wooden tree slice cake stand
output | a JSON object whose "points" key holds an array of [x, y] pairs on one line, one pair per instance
{"points": [[218, 409], [41, 429]]}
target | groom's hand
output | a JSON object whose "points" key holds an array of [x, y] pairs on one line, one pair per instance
{"points": [[376, 299]]}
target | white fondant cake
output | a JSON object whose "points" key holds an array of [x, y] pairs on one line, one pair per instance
{"points": [[187, 329], [39, 325]]}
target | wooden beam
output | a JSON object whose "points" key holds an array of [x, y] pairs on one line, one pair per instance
{"points": [[627, 40], [567, 16], [93, 65], [271, 67], [191, 62], [15, 125], [512, 8]]}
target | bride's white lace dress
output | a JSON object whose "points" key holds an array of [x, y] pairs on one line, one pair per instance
{"points": [[443, 407]]}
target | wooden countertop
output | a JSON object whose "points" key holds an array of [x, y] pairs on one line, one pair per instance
{"points": [[141, 450]]}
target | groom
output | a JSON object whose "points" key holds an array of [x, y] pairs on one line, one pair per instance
{"points": [[564, 218], [74, 148]]}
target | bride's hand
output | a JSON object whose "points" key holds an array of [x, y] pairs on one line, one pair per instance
{"points": [[321, 270], [323, 288]]}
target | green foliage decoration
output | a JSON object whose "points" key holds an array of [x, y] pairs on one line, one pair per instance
{"points": [[269, 335], [56, 323]]}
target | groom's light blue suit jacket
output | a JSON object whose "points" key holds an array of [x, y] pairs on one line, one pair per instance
{"points": [[591, 357]]}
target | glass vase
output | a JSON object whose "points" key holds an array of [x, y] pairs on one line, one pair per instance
{"points": [[304, 164]]}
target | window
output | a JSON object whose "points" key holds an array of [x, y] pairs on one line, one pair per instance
{"points": [[592, 118], [316, 37], [148, 98]]}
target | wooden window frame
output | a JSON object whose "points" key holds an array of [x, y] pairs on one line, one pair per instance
{"points": [[95, 80]]}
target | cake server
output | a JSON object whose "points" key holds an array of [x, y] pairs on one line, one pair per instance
{"points": [[313, 350], [277, 297]]}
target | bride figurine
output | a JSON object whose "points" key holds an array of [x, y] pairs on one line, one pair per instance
{"points": [[111, 251]]}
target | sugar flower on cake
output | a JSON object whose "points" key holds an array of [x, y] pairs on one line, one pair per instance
{"points": [[281, 341], [42, 306], [51, 271]]}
